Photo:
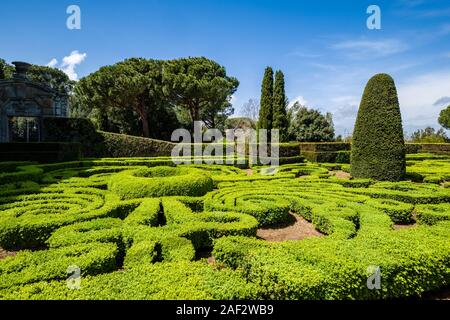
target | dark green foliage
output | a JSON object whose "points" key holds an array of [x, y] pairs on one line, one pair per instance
{"points": [[120, 145], [42, 152], [51, 77], [266, 109], [444, 118], [309, 125], [378, 149], [429, 135], [126, 97], [343, 157], [6, 70], [201, 87], [280, 120]]}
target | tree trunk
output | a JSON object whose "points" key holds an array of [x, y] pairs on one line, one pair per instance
{"points": [[145, 127]]}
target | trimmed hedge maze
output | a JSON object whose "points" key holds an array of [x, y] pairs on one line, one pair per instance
{"points": [[137, 228]]}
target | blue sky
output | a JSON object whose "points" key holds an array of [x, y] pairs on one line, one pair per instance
{"points": [[324, 47]]}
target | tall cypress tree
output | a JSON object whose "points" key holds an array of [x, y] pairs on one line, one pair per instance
{"points": [[280, 120], [266, 113]]}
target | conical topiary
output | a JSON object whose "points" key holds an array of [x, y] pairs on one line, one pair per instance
{"points": [[378, 149]]}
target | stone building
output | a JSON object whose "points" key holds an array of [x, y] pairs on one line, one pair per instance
{"points": [[23, 105]]}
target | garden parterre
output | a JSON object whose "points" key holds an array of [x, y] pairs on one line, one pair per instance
{"points": [[135, 228]]}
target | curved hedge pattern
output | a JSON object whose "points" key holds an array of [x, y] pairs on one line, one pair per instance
{"points": [[160, 182], [136, 227]]}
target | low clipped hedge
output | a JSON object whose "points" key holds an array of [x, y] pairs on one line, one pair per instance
{"points": [[31, 223], [268, 210], [23, 173], [160, 181], [120, 145], [399, 212], [98, 230], [339, 269], [28, 267], [145, 248], [432, 214], [168, 281]]}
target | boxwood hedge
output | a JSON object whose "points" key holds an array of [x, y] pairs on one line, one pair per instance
{"points": [[134, 245]]}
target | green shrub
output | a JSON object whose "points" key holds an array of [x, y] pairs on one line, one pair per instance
{"points": [[27, 221], [98, 230], [431, 214], [398, 211], [160, 281], [159, 239], [142, 253], [160, 181], [343, 157], [378, 149], [120, 145], [24, 173], [27, 267], [148, 213]]}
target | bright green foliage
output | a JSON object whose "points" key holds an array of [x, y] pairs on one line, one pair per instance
{"points": [[98, 230], [146, 247], [378, 149], [432, 214], [266, 108], [160, 281], [160, 181], [27, 267], [280, 120]]}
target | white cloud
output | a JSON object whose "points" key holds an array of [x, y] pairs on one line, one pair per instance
{"points": [[421, 99], [364, 48], [53, 63], [442, 101], [418, 97], [233, 99], [69, 63], [323, 66], [346, 100], [299, 99]]}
